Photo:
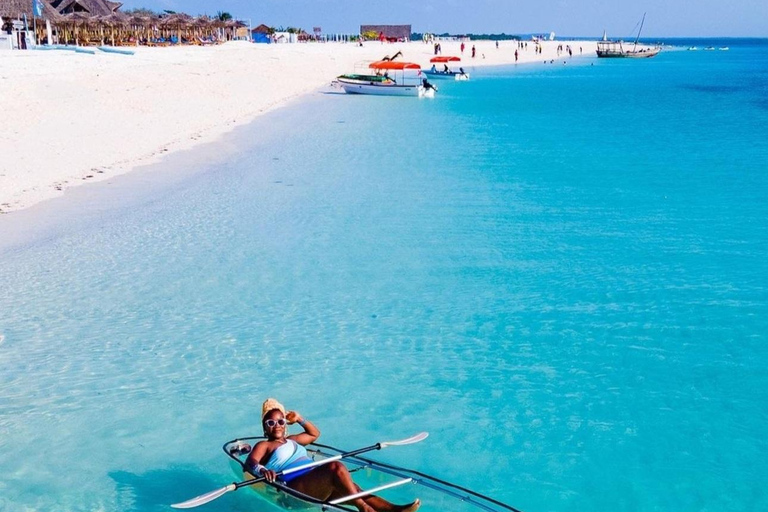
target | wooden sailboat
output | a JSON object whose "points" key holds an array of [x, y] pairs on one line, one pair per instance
{"points": [[615, 49]]}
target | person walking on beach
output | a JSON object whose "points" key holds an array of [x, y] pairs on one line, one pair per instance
{"points": [[515, 55], [473, 51], [462, 47], [497, 45]]}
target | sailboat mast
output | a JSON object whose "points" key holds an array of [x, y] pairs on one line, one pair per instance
{"points": [[638, 32]]}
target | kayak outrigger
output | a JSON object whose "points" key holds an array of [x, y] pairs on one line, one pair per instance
{"points": [[372, 476], [440, 68]]}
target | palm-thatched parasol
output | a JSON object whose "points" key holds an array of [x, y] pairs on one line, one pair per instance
{"points": [[177, 22], [203, 25], [74, 25], [114, 22]]}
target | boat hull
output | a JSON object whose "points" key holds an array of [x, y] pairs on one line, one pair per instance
{"points": [[628, 54], [368, 474], [384, 89], [451, 75]]}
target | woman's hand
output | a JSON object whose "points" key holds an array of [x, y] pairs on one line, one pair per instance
{"points": [[269, 475], [293, 417]]}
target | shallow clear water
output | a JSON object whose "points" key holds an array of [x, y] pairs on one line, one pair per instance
{"points": [[558, 270]]}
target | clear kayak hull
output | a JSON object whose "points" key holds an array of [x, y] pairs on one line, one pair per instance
{"points": [[435, 494]]}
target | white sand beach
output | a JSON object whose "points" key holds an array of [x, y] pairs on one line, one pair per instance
{"points": [[76, 118]]}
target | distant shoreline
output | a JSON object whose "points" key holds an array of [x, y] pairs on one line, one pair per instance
{"points": [[78, 118]]}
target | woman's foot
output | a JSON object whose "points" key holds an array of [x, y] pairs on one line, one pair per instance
{"points": [[413, 507]]}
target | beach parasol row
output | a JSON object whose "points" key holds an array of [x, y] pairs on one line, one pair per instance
{"points": [[97, 22]]}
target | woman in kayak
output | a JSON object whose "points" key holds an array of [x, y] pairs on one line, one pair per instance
{"points": [[326, 482]]}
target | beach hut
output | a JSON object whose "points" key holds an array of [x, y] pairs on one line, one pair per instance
{"points": [[391, 33], [261, 34], [92, 7], [19, 35]]}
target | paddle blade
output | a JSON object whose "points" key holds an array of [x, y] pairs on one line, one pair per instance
{"points": [[204, 498], [411, 440]]}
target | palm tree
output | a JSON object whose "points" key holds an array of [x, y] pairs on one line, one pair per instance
{"points": [[223, 16]]}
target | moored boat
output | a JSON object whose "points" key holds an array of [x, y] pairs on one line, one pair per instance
{"points": [[446, 72], [616, 49], [389, 78]]}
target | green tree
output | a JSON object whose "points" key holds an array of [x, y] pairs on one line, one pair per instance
{"points": [[139, 11], [223, 16]]}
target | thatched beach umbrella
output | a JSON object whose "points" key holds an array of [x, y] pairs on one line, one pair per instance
{"points": [[114, 22], [177, 22], [74, 24], [143, 27], [203, 25]]}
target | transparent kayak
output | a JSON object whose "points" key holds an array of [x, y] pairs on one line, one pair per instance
{"points": [[406, 484]]}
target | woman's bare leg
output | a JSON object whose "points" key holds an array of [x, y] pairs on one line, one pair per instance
{"points": [[382, 505], [333, 481], [330, 481]]}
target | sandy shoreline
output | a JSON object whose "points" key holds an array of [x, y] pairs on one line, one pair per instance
{"points": [[76, 118]]}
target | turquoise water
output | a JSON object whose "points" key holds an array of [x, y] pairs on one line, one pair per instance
{"points": [[559, 271]]}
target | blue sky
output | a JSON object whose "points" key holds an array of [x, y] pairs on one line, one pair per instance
{"points": [[666, 18]]}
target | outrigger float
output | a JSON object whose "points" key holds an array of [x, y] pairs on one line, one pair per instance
{"points": [[389, 78], [446, 72], [375, 477]]}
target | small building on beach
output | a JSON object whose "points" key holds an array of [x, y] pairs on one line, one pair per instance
{"points": [[17, 19], [261, 34], [391, 33]]}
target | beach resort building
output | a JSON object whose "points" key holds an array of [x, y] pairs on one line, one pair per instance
{"points": [[92, 7], [392, 33]]}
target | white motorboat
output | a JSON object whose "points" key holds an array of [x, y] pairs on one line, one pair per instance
{"points": [[389, 78]]}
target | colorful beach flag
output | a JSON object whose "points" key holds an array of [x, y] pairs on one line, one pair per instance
{"points": [[37, 8]]}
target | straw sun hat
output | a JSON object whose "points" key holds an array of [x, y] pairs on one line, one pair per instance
{"points": [[269, 405]]}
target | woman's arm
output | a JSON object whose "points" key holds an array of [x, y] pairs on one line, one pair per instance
{"points": [[253, 462], [257, 454], [310, 434]]}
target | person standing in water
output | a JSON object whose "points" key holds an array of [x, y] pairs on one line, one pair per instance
{"points": [[326, 482]]}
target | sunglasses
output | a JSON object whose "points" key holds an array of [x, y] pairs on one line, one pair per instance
{"points": [[272, 423]]}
